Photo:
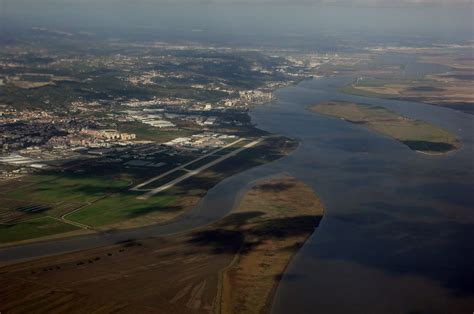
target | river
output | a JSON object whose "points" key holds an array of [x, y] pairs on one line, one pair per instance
{"points": [[397, 233], [398, 228]]}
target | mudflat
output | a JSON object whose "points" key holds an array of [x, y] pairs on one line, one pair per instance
{"points": [[231, 266], [418, 135], [452, 89]]}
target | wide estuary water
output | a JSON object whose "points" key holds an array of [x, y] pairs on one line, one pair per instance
{"points": [[397, 235]]}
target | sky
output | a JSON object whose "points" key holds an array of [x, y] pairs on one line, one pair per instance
{"points": [[248, 21], [288, 2]]}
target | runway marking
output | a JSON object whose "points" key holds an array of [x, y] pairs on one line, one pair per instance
{"points": [[137, 187], [197, 171]]}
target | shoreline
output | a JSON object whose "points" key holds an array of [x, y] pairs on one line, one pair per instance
{"points": [[360, 114], [230, 247], [116, 233]]}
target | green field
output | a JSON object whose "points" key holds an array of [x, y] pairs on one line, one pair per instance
{"points": [[109, 198], [34, 228], [417, 135], [105, 202], [58, 187], [120, 207]]}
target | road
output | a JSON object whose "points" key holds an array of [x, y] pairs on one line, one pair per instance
{"points": [[218, 202], [197, 171], [139, 186]]}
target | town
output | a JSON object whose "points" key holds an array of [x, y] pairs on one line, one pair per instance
{"points": [[164, 100], [150, 125]]}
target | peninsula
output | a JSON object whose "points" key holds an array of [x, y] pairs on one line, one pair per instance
{"points": [[418, 135], [231, 266]]}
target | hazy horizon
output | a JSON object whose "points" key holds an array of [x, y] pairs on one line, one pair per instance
{"points": [[286, 2], [302, 24]]}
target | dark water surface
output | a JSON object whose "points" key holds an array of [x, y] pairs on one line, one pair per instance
{"points": [[397, 236], [398, 231]]}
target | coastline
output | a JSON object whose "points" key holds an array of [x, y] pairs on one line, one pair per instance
{"points": [[381, 121], [228, 247], [266, 152]]}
